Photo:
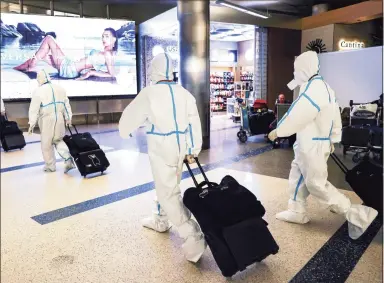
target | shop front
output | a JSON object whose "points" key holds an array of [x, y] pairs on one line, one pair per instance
{"points": [[237, 61]]}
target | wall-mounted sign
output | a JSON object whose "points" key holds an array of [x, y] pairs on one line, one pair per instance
{"points": [[317, 45], [348, 45], [172, 49]]}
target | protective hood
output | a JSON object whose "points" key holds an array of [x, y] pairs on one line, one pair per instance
{"points": [[161, 68], [43, 77], [306, 66]]}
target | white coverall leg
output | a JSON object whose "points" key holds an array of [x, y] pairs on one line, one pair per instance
{"points": [[315, 117], [170, 207], [50, 108], [174, 130], [52, 133]]}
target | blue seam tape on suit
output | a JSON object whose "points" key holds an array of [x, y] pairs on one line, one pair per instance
{"points": [[165, 83], [174, 116], [297, 186], [167, 70], [294, 103], [192, 143], [168, 134], [311, 101]]}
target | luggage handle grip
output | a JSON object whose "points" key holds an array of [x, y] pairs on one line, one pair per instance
{"points": [[201, 170], [339, 163], [69, 129]]}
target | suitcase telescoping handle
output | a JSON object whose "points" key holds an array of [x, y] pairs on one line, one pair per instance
{"points": [[339, 163], [206, 181], [69, 129]]}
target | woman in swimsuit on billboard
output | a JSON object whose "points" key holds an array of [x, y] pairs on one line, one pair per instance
{"points": [[51, 53]]}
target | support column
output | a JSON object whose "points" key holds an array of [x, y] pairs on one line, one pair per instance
{"points": [[52, 7], [81, 9], [21, 5], [108, 12], [194, 62]]}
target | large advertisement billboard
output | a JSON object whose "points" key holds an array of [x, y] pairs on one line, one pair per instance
{"points": [[88, 57]]}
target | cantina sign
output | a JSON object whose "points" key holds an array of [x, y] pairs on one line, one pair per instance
{"points": [[348, 45]]}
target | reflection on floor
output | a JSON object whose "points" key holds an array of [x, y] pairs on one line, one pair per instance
{"points": [[63, 228]]}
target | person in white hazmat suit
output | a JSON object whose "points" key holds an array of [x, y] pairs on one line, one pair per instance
{"points": [[50, 109], [173, 134], [315, 117], [2, 107]]}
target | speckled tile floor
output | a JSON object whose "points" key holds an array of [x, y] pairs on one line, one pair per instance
{"points": [[92, 229]]}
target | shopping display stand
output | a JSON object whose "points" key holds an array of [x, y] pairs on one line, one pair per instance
{"points": [[244, 118]]}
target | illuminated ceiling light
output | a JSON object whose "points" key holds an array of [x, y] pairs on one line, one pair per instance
{"points": [[249, 55], [242, 9], [157, 50]]}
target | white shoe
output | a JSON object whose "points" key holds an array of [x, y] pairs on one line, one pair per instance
{"points": [[296, 213], [359, 217], [69, 165], [194, 248], [49, 169], [293, 217], [157, 224]]}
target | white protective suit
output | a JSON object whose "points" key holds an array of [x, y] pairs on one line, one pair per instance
{"points": [[50, 109], [174, 130], [2, 108], [315, 117]]}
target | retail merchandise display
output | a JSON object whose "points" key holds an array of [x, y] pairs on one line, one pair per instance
{"points": [[245, 84], [222, 87], [76, 52]]}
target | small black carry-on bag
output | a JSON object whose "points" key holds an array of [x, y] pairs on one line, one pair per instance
{"points": [[366, 180], [357, 136], [10, 135], [230, 217], [86, 152]]}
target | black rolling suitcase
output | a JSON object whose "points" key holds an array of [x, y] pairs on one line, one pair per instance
{"points": [[230, 217], [358, 136], [377, 136], [86, 152], [259, 123], [366, 180], [10, 135]]}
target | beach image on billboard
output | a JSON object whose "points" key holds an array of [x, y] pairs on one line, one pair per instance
{"points": [[88, 57]]}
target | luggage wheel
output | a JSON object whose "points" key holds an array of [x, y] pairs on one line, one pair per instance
{"points": [[242, 136], [356, 158], [276, 144]]}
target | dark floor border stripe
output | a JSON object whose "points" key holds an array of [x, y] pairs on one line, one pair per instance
{"points": [[92, 133], [335, 261], [35, 164], [116, 130], [81, 207], [226, 128]]}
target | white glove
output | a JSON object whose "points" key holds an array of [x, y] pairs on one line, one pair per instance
{"points": [[68, 123], [30, 130], [190, 158], [332, 147], [273, 135]]}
